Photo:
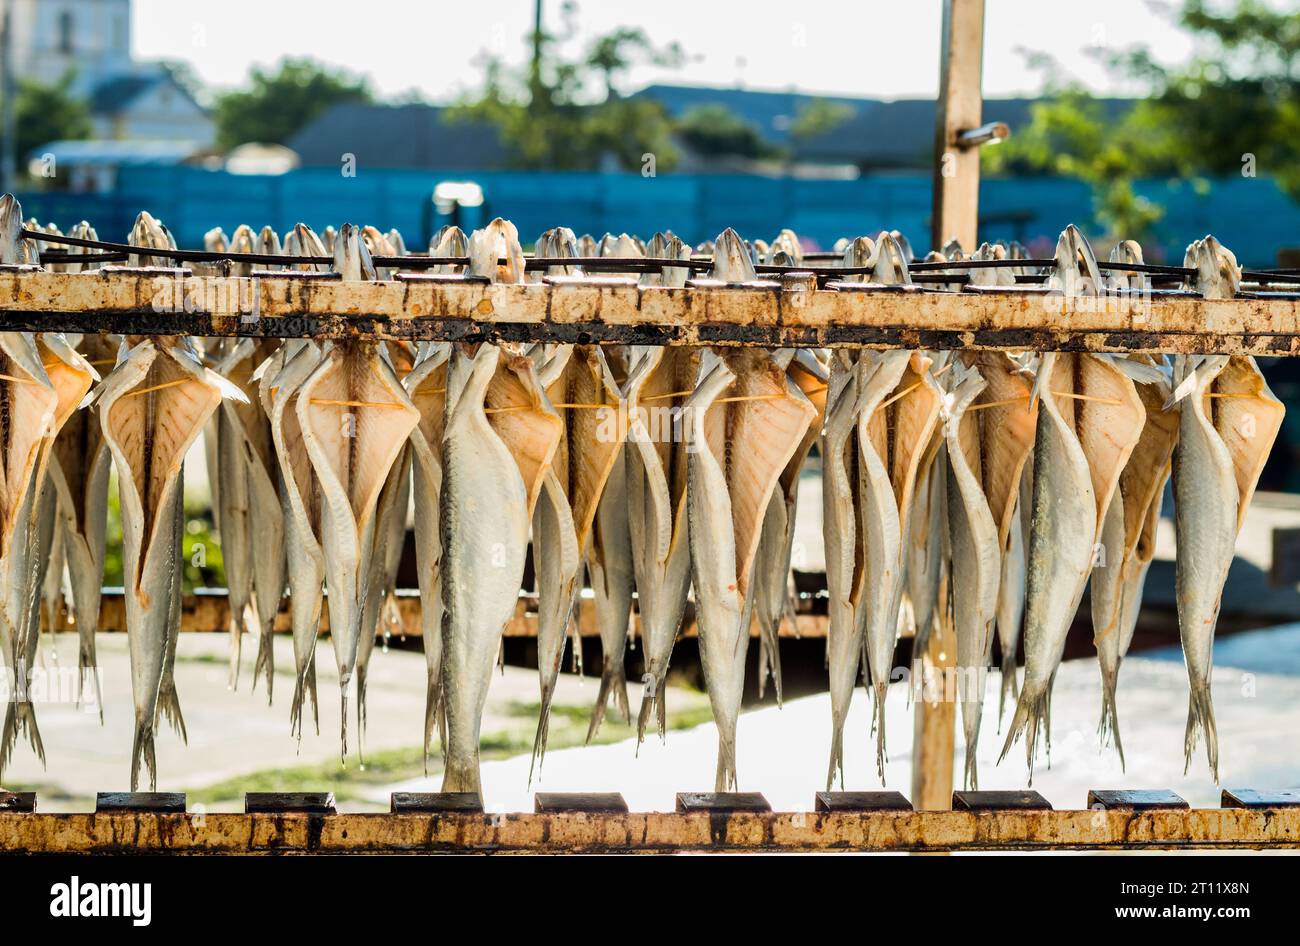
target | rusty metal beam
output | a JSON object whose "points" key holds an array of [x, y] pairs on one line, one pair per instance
{"points": [[210, 612], [577, 832], [611, 312]]}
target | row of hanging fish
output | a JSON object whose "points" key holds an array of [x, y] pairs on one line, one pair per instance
{"points": [[974, 490]]}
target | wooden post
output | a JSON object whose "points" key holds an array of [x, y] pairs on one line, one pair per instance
{"points": [[955, 214], [956, 163]]}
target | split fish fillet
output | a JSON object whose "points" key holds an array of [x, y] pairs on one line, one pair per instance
{"points": [[739, 449]]}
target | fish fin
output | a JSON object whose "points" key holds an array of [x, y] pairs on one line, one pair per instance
{"points": [[142, 750], [880, 690], [236, 642], [1031, 717], [169, 708], [1108, 728], [1010, 688], [265, 661], [344, 682], [304, 685], [769, 654], [1200, 715], [361, 711], [86, 668], [432, 714], [652, 701], [613, 682], [20, 717], [725, 780], [837, 752], [971, 775]]}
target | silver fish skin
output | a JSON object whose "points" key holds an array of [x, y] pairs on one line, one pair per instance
{"points": [[300, 502], [1011, 591], [613, 579], [485, 520], [732, 262], [840, 533], [659, 528], [15, 250], [163, 423], [1058, 559], [774, 599], [727, 493], [976, 562], [1205, 517], [423, 384], [884, 537]]}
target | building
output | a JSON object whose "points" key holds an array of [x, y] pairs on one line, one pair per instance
{"points": [[90, 38], [416, 137], [148, 106], [90, 41]]}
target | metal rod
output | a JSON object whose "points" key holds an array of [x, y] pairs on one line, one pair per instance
{"points": [[992, 133]]}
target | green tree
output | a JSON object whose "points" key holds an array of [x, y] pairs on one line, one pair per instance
{"points": [[570, 112], [45, 113], [1236, 99], [279, 103], [716, 131], [818, 117]]}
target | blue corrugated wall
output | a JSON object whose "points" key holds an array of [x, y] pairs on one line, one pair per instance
{"points": [[1249, 215]]}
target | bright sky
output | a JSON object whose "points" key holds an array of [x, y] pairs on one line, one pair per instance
{"points": [[871, 48]]}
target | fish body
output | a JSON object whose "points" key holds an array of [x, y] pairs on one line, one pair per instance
{"points": [[739, 450], [153, 407], [301, 514]]}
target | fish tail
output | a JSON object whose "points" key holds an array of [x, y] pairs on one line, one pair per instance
{"points": [[1200, 715], [613, 681], [543, 732], [880, 689], [653, 700], [432, 712], [725, 780], [236, 642], [837, 751], [1108, 728], [304, 682], [344, 681], [311, 691], [769, 654], [1010, 689], [1031, 716], [169, 708], [971, 773], [86, 667], [142, 750], [462, 775], [265, 661], [20, 717], [361, 712]]}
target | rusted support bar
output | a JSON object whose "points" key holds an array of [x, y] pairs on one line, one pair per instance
{"points": [[142, 832], [879, 317]]}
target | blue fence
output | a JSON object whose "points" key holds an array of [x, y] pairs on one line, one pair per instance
{"points": [[1249, 215]]}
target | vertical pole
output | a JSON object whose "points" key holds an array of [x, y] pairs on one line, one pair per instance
{"points": [[955, 214], [957, 169], [8, 123]]}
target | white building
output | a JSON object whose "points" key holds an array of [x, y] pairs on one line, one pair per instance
{"points": [[91, 39]]}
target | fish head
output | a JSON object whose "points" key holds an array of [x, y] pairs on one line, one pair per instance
{"points": [[1217, 274], [352, 256], [243, 240], [449, 242], [992, 275], [666, 245], [1075, 272], [268, 242], [148, 232], [732, 262], [495, 253], [215, 240], [1127, 251], [952, 250], [888, 265]]}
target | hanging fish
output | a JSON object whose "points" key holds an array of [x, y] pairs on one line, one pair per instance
{"points": [[1228, 421], [773, 600], [740, 444], [1090, 418], [355, 418]]}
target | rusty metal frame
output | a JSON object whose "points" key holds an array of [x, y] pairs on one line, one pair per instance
{"points": [[575, 832], [604, 310]]}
